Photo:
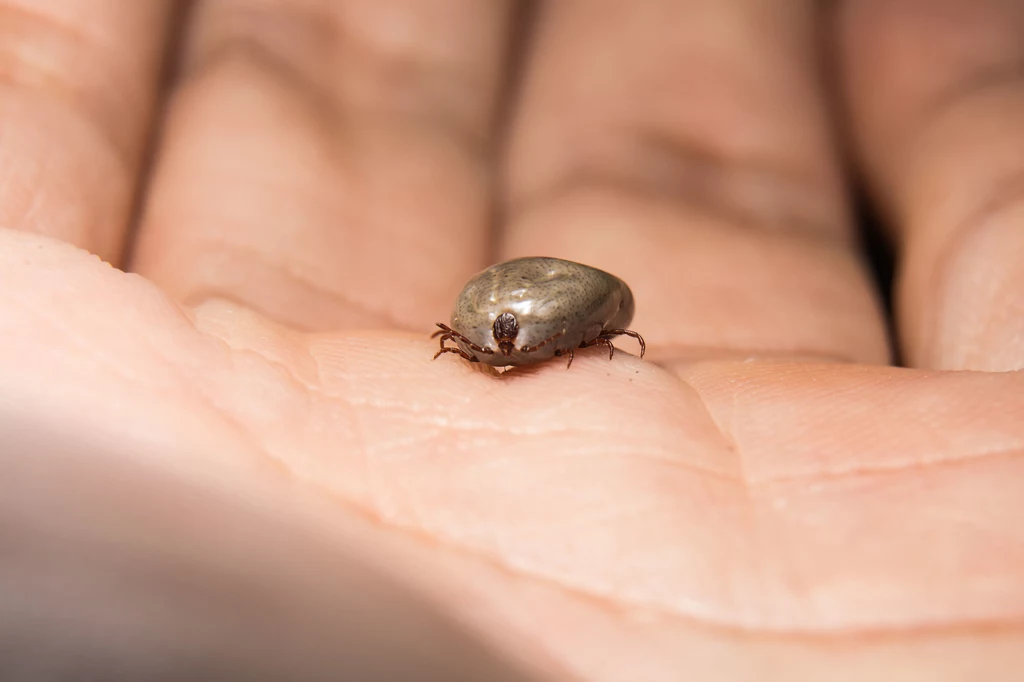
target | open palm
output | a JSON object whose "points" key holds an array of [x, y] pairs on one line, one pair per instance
{"points": [[762, 497]]}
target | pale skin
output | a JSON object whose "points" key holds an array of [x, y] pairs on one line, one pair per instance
{"points": [[255, 411]]}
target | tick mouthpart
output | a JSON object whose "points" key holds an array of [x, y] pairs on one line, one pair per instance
{"points": [[505, 330]]}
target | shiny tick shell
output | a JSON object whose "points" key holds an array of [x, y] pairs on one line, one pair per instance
{"points": [[528, 310]]}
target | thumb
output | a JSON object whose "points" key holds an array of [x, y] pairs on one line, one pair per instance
{"points": [[113, 570]]}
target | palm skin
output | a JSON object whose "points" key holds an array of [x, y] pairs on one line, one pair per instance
{"points": [[761, 498]]}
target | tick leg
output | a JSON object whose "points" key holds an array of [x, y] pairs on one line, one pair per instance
{"points": [[450, 333], [565, 351], [451, 349], [447, 336], [600, 341], [608, 333]]}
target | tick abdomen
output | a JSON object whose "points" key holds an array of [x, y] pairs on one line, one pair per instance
{"points": [[529, 309]]}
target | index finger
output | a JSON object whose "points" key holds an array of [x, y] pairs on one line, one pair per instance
{"points": [[79, 82]]}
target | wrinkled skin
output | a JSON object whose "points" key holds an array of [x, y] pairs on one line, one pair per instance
{"points": [[255, 412]]}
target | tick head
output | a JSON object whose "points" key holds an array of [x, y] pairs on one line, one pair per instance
{"points": [[505, 330]]}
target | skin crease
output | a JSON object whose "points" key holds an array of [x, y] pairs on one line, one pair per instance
{"points": [[557, 305], [763, 498]]}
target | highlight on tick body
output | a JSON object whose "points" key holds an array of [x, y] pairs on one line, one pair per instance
{"points": [[528, 310]]}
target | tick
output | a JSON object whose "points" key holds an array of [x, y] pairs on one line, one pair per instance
{"points": [[528, 310]]}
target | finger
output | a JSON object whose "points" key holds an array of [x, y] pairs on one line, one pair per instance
{"points": [[936, 94], [327, 162], [78, 82], [686, 148]]}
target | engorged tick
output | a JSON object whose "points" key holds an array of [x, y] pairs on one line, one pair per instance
{"points": [[527, 310]]}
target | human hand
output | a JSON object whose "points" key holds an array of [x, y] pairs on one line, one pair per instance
{"points": [[764, 498]]}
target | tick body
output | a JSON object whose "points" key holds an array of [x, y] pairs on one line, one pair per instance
{"points": [[529, 310]]}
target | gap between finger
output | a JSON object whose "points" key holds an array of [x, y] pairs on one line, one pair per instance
{"points": [[936, 98]]}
